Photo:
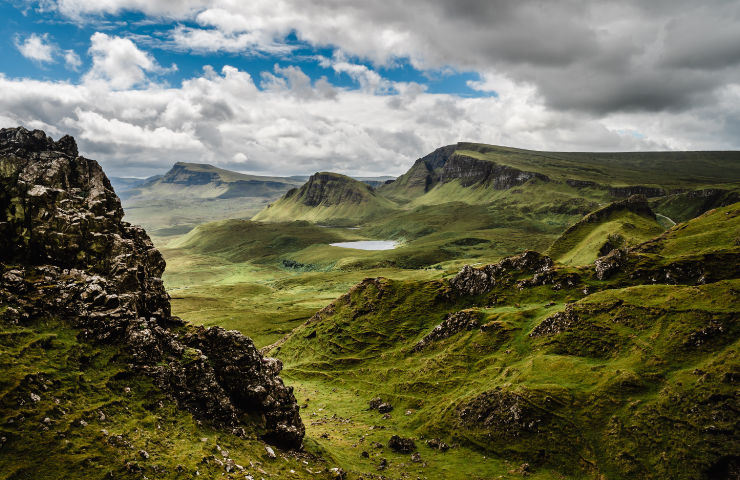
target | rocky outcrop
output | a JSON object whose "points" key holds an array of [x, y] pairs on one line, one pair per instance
{"points": [[65, 252], [557, 323], [452, 324], [401, 445], [610, 263], [469, 171], [636, 190], [507, 413], [477, 281]]}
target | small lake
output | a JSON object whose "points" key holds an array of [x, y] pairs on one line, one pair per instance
{"points": [[368, 245]]}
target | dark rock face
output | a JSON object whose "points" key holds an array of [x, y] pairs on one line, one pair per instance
{"points": [[636, 190], [477, 281], [401, 445], [445, 165], [65, 252], [437, 444], [470, 171], [180, 174], [452, 324], [581, 183], [331, 189]]}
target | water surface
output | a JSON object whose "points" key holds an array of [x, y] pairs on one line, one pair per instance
{"points": [[368, 244]]}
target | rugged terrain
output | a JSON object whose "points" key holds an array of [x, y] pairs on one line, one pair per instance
{"points": [[626, 367], [98, 377], [463, 353], [613, 354]]}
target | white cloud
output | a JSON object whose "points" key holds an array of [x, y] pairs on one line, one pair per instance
{"points": [[72, 60], [36, 47], [119, 63], [224, 119], [599, 57]]}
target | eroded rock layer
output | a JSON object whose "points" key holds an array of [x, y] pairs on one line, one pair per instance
{"points": [[66, 252]]}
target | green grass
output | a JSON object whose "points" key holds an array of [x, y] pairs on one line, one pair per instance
{"points": [[714, 231], [583, 243], [51, 382], [615, 395]]}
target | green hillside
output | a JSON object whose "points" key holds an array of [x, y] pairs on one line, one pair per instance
{"points": [[328, 198], [632, 376], [618, 225], [664, 169]]}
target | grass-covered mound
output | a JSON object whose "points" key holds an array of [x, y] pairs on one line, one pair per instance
{"points": [[241, 240]]}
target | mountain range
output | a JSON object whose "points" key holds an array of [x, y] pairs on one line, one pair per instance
{"points": [[191, 193], [544, 315]]}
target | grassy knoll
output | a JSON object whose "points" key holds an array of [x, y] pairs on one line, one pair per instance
{"points": [[328, 198], [618, 225]]}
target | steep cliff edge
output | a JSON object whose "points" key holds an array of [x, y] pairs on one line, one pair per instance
{"points": [[66, 254]]}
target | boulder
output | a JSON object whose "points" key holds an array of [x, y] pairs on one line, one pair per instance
{"points": [[401, 445]]}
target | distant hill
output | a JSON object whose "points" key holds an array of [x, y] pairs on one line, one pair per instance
{"points": [[621, 174], [192, 193], [201, 180], [123, 184], [330, 198]]}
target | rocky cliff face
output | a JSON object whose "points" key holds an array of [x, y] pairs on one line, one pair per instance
{"points": [[446, 164], [182, 175], [65, 252], [477, 281], [470, 170]]}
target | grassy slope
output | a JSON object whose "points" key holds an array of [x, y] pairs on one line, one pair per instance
{"points": [[581, 244], [221, 270], [615, 394], [76, 381]]}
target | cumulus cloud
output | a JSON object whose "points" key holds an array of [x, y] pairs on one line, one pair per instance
{"points": [[593, 56], [119, 63], [36, 47], [575, 76], [225, 119], [72, 60]]}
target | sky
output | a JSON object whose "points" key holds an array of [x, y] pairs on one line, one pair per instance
{"points": [[291, 87]]}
